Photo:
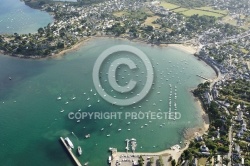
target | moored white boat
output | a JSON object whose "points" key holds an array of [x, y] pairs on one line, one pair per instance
{"points": [[87, 136], [109, 159], [68, 141], [79, 149]]}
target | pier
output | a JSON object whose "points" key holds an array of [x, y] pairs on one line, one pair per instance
{"points": [[127, 145], [71, 153], [202, 77]]}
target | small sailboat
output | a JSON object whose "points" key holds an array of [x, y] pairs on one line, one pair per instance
{"points": [[89, 105], [119, 129], [62, 111], [59, 98], [87, 136], [102, 129], [108, 135], [79, 149], [110, 124]]}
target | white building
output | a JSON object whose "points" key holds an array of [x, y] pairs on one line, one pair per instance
{"points": [[240, 116], [208, 97]]}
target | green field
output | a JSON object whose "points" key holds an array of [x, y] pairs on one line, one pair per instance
{"points": [[119, 14], [233, 21], [180, 10], [200, 12], [244, 51], [169, 6], [206, 10], [150, 20], [140, 14], [202, 161], [225, 12]]}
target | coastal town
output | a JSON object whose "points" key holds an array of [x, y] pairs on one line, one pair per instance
{"points": [[222, 41]]}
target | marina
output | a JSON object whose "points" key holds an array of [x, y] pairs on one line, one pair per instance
{"points": [[131, 158]]}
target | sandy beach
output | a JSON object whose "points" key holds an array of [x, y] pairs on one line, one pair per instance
{"points": [[187, 48], [73, 48]]}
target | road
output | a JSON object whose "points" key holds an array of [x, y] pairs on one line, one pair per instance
{"points": [[230, 138]]}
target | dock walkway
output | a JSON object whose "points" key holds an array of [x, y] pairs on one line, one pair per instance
{"points": [[71, 153], [202, 77]]}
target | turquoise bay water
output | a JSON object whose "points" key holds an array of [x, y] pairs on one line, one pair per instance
{"points": [[16, 17], [30, 118]]}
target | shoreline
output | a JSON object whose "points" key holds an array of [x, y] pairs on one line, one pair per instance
{"points": [[175, 153], [74, 47], [186, 48], [188, 134]]}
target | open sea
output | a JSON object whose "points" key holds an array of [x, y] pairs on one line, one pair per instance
{"points": [[31, 120]]}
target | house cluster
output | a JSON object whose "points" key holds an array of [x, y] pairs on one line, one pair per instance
{"points": [[236, 8], [94, 17], [230, 56], [240, 118], [240, 134], [240, 145], [157, 9], [71, 24], [230, 118]]}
